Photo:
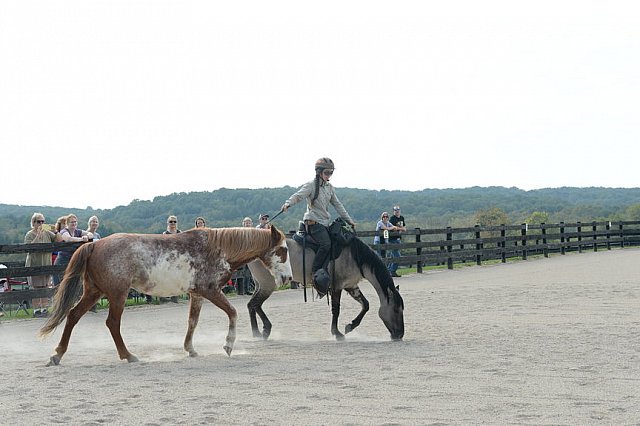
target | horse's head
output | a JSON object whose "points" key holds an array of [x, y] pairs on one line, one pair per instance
{"points": [[392, 314], [277, 258]]}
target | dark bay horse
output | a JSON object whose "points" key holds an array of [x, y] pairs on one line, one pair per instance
{"points": [[199, 261], [356, 261]]}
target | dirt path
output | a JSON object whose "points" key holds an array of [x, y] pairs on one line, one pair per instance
{"points": [[546, 341]]}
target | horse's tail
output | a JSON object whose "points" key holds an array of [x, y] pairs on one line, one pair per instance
{"points": [[69, 290]]}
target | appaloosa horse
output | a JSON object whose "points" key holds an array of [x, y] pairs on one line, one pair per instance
{"points": [[199, 261], [356, 261]]}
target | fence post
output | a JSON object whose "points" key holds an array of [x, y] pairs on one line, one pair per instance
{"points": [[523, 232], [418, 252], [608, 228], [579, 230], [621, 236], [478, 246], [562, 250], [595, 238], [503, 243], [545, 249], [449, 248]]}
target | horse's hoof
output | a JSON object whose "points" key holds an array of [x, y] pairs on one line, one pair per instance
{"points": [[348, 329], [266, 333], [132, 358], [228, 349], [339, 336], [193, 354], [53, 360], [257, 334]]}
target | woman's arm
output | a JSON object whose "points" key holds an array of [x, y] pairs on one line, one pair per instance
{"points": [[66, 237]]}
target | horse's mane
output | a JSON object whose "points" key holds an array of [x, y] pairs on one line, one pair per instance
{"points": [[365, 256], [238, 244]]}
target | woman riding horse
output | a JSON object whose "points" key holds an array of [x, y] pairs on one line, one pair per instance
{"points": [[319, 193]]}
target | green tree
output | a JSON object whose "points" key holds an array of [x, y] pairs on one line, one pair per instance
{"points": [[538, 217], [491, 217], [633, 212]]}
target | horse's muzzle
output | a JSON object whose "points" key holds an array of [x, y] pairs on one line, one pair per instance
{"points": [[285, 279]]}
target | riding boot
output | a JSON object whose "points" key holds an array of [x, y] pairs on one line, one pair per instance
{"points": [[321, 281]]}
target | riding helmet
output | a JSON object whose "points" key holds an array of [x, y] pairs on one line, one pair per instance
{"points": [[324, 163]]}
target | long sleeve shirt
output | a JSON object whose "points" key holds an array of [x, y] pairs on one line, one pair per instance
{"points": [[319, 210]]}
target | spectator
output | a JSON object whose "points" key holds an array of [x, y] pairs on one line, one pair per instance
{"points": [[39, 233], [61, 223], [93, 224], [4, 283], [93, 227], [396, 220], [383, 227], [200, 222], [172, 228], [4, 286], [70, 233], [264, 222], [319, 194], [245, 283]]}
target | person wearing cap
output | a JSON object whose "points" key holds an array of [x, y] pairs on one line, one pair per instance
{"points": [[383, 227], [319, 194], [247, 222], [263, 222], [396, 220]]}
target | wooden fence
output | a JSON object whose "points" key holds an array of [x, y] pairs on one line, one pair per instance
{"points": [[482, 243], [443, 246]]}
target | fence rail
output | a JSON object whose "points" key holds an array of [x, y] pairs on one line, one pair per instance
{"points": [[483, 243], [440, 246]]}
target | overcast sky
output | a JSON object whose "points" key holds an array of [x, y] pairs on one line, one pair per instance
{"points": [[104, 102]]}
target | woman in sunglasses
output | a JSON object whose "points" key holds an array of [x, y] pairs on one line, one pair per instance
{"points": [[172, 225], [39, 233], [319, 194], [172, 228]]}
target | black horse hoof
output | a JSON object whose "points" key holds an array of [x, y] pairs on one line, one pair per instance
{"points": [[348, 329]]}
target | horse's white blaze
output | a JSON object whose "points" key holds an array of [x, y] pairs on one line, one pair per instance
{"points": [[281, 271]]}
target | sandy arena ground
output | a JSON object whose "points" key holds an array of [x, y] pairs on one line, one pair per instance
{"points": [[545, 341]]}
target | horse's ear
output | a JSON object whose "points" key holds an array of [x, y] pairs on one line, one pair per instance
{"points": [[275, 235], [398, 288]]}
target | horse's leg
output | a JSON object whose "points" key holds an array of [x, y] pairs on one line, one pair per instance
{"points": [[116, 307], [195, 304], [335, 313], [90, 297], [218, 298], [252, 317], [255, 306], [364, 303]]}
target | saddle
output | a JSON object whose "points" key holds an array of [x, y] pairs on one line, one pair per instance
{"points": [[340, 232]]}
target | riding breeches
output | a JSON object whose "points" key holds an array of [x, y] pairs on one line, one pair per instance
{"points": [[320, 234]]}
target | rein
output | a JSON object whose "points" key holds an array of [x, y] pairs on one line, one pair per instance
{"points": [[276, 215]]}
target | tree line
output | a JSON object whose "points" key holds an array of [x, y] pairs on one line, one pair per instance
{"points": [[429, 208]]}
